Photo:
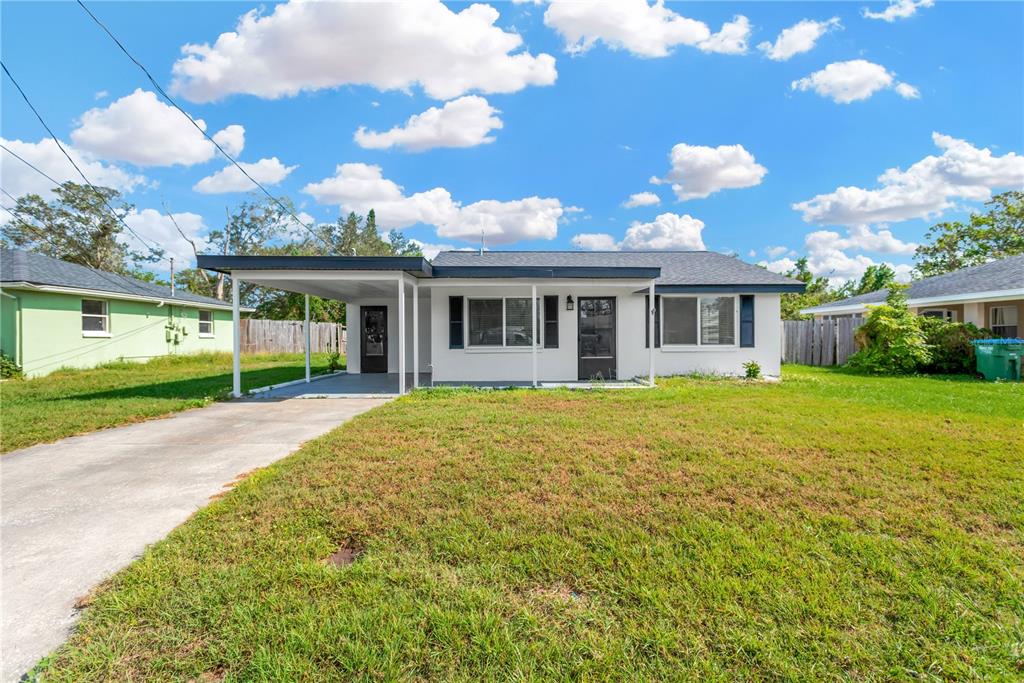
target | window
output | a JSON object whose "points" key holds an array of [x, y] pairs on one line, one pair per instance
{"points": [[95, 321], [1003, 321], [205, 323], [941, 313], [501, 322], [455, 336], [698, 321]]}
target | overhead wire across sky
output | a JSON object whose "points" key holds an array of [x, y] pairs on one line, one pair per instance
{"points": [[174, 104]]}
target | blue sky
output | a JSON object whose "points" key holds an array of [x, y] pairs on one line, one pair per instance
{"points": [[752, 143]]}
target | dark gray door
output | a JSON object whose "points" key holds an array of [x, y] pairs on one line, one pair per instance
{"points": [[373, 339], [597, 338]]}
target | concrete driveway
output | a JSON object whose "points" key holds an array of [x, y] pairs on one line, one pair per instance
{"points": [[76, 511]]}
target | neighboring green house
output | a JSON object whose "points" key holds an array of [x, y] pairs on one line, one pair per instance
{"points": [[55, 314]]}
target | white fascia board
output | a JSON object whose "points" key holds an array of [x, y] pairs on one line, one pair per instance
{"points": [[971, 297], [103, 294], [528, 282], [322, 275]]}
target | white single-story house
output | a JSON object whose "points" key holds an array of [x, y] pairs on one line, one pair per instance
{"points": [[533, 317], [989, 296]]}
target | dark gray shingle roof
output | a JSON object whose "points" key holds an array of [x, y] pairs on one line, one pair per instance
{"points": [[1007, 273], [677, 267], [26, 266]]}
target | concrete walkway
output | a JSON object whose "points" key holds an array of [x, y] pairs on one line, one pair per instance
{"points": [[76, 511]]}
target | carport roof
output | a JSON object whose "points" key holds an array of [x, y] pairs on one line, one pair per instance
{"points": [[414, 265]]}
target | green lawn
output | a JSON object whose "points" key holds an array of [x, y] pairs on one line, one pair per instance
{"points": [[70, 402], [831, 527]]}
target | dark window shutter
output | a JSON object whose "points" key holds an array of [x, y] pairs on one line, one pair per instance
{"points": [[455, 335], [550, 322], [657, 321], [746, 320]]}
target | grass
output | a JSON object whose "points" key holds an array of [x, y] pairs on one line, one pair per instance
{"points": [[69, 402], [831, 527]]}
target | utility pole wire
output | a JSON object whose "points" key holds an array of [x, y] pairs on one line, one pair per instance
{"points": [[174, 104], [153, 251]]}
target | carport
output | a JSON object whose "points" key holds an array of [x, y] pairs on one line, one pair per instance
{"points": [[356, 280]]}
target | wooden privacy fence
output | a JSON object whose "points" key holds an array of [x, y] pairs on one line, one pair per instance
{"points": [[819, 342], [286, 336]]}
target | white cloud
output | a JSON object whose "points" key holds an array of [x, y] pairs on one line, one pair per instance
{"points": [[431, 250], [100, 94], [907, 91], [389, 46], [229, 179], [775, 252], [465, 122], [667, 231], [799, 38], [827, 254], [642, 199], [924, 190], [859, 238], [699, 171], [644, 30], [158, 228], [857, 79], [19, 179], [361, 187], [142, 130], [897, 9], [731, 39], [232, 139]]}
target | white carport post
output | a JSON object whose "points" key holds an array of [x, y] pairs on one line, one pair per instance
{"points": [[306, 329], [652, 303], [415, 335], [401, 334], [533, 326], [236, 341]]}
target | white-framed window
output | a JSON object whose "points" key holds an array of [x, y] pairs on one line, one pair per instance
{"points": [[205, 323], [501, 322], [699, 320], [947, 314], [1003, 321], [95, 318]]}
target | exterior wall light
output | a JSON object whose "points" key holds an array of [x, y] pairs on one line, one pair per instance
{"points": [[568, 302]]}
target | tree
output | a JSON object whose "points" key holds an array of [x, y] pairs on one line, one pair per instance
{"points": [[986, 237], [77, 226], [875, 277], [816, 292], [248, 231], [891, 341]]}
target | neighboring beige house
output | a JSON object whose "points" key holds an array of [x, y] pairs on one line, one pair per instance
{"points": [[989, 295]]}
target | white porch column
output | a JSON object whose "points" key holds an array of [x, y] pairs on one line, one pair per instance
{"points": [[650, 333], [415, 334], [306, 329], [533, 326], [236, 341], [401, 335]]}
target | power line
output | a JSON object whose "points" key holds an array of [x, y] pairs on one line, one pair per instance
{"points": [[167, 97], [152, 250]]}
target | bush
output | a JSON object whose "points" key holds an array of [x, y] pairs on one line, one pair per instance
{"points": [[752, 369], [334, 361], [950, 345], [891, 340], [8, 368]]}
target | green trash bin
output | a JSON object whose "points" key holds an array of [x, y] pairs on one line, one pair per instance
{"points": [[999, 358]]}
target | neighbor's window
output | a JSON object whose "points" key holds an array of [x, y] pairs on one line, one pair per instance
{"points": [[205, 323], [1004, 321], [501, 322], [95, 321], [698, 321], [946, 314]]}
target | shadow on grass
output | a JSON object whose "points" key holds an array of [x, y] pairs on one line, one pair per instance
{"points": [[206, 387]]}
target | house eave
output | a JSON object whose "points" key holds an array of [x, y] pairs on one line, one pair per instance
{"points": [[104, 294], [780, 288], [416, 266], [970, 297]]}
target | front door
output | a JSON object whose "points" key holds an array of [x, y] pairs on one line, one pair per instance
{"points": [[597, 338], [373, 339]]}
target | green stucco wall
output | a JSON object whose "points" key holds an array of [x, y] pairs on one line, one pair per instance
{"points": [[50, 334]]}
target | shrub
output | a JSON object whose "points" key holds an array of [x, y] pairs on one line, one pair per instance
{"points": [[8, 368], [950, 346], [334, 361], [752, 369], [891, 340]]}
